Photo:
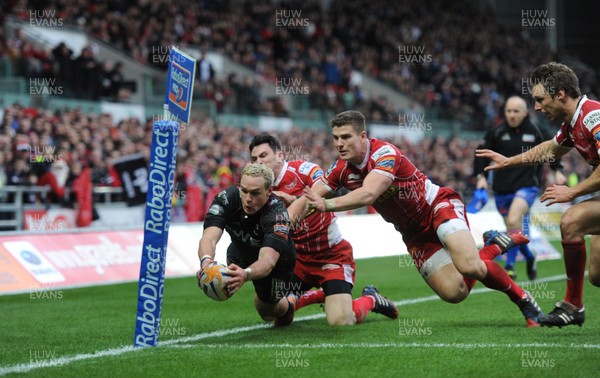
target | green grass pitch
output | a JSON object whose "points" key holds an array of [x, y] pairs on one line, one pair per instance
{"points": [[89, 332]]}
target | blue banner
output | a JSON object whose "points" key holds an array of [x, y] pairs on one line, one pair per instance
{"points": [[180, 84], [161, 180]]}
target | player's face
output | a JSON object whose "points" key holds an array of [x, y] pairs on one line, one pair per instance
{"points": [[263, 154], [515, 112], [348, 143], [253, 193], [551, 106]]}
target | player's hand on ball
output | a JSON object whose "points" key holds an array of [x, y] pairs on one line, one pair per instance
{"points": [[314, 201], [213, 279], [206, 261], [237, 278], [200, 272]]}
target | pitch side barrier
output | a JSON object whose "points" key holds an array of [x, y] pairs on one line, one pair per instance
{"points": [[43, 262]]}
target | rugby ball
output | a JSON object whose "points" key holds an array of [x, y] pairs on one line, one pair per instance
{"points": [[213, 281]]}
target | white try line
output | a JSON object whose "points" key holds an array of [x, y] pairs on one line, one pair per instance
{"points": [[392, 345], [61, 361]]}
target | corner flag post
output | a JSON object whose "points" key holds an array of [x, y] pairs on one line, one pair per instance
{"points": [[161, 181]]}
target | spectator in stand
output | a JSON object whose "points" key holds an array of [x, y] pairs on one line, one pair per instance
{"points": [[63, 57], [87, 69], [205, 72], [105, 80], [464, 77], [77, 136]]}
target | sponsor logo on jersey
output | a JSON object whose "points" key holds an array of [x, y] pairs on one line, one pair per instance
{"points": [[354, 177], [281, 229], [316, 173], [306, 167], [223, 196], [331, 168], [528, 138], [592, 119], [216, 210], [292, 184], [383, 151], [246, 238], [505, 137], [597, 136], [330, 267], [386, 164]]}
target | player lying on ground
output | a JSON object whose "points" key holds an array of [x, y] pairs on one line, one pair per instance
{"points": [[430, 218], [324, 258], [261, 248], [556, 93]]}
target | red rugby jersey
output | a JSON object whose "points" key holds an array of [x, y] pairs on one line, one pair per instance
{"points": [[407, 202], [583, 132], [318, 232]]}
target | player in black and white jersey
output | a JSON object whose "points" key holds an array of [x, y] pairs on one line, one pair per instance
{"points": [[261, 249]]}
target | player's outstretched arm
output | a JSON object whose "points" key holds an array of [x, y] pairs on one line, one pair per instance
{"points": [[288, 199], [543, 153], [562, 193], [267, 258], [208, 245], [373, 186], [299, 208]]}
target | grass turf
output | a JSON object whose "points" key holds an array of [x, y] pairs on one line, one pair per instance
{"points": [[89, 331]]}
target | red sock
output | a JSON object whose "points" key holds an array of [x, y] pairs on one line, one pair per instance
{"points": [[361, 307], [310, 297], [575, 259], [498, 279], [489, 252], [470, 282]]}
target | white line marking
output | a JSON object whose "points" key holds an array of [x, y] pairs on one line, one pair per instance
{"points": [[389, 345], [23, 368]]}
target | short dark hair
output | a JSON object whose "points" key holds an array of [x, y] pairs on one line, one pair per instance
{"points": [[555, 77], [265, 138], [350, 117]]}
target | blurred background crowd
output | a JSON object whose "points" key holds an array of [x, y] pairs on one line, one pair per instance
{"points": [[467, 77]]}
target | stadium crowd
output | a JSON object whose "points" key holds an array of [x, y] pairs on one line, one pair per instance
{"points": [[467, 77], [211, 155], [464, 76], [63, 73]]}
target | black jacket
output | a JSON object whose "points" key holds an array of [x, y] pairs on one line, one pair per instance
{"points": [[510, 141]]}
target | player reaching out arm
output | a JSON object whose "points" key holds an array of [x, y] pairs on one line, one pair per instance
{"points": [[430, 218], [556, 94], [261, 248], [324, 258], [515, 189]]}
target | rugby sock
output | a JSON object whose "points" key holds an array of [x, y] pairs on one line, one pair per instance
{"points": [[498, 279], [470, 282], [361, 307], [310, 297], [511, 257], [575, 259], [524, 248], [490, 252]]}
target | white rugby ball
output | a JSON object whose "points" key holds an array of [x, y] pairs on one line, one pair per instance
{"points": [[213, 281]]}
